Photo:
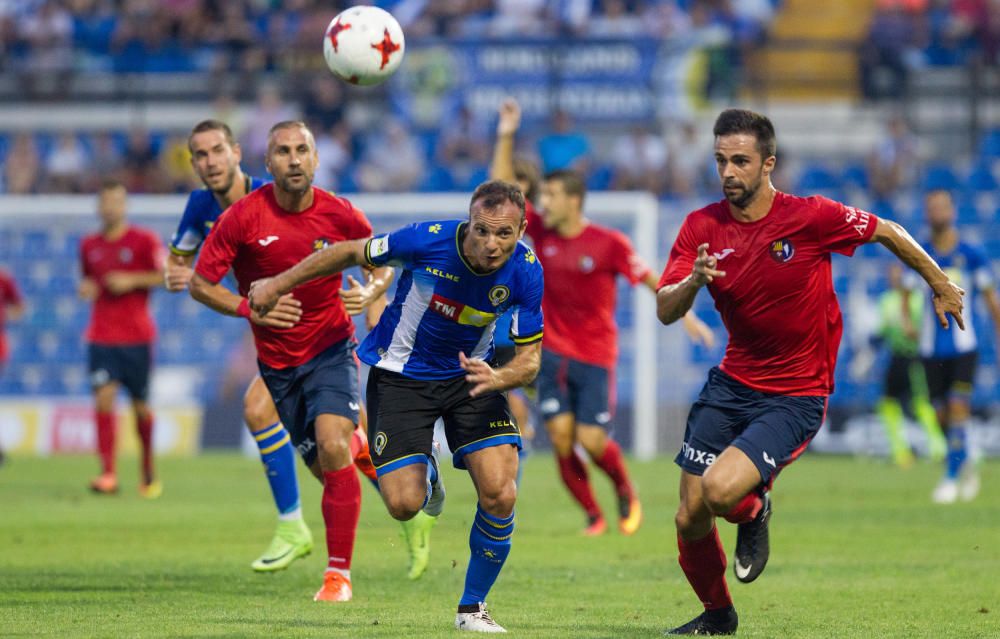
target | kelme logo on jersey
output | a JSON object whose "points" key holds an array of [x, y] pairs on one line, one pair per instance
{"points": [[499, 294], [380, 441], [320, 243], [782, 250]]}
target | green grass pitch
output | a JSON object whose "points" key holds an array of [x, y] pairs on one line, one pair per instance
{"points": [[857, 551]]}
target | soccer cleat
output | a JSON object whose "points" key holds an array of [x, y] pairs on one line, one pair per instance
{"points": [[630, 515], [968, 482], [476, 618], [753, 546], [435, 503], [336, 587], [946, 492], [418, 539], [104, 484], [152, 490], [596, 527], [711, 622], [291, 540]]}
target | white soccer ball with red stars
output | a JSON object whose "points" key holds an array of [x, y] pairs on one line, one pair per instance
{"points": [[363, 45]]}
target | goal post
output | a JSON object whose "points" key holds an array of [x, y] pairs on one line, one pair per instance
{"points": [[635, 213]]}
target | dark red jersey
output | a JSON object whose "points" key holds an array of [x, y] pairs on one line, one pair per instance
{"points": [[777, 298], [580, 293], [9, 296], [257, 239], [119, 320]]}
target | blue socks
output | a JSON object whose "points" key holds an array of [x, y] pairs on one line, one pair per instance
{"points": [[489, 542], [957, 451], [278, 455]]}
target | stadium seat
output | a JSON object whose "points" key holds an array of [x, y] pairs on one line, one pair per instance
{"points": [[438, 178], [981, 179], [989, 146], [940, 176], [855, 175], [817, 178]]}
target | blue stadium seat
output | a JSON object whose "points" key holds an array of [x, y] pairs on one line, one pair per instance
{"points": [[600, 178], [817, 178], [855, 175], [981, 179], [438, 178], [989, 146], [940, 176]]}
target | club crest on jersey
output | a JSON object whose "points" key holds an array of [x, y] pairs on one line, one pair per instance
{"points": [[320, 243], [782, 250], [380, 441], [125, 255], [499, 294], [586, 264]]}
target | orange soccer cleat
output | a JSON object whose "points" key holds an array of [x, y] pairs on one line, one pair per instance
{"points": [[597, 527], [631, 518], [336, 587], [104, 484]]}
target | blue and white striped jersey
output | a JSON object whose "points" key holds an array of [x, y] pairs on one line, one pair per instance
{"points": [[442, 306], [200, 214], [967, 266]]}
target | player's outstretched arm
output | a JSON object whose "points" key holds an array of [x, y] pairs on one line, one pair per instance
{"points": [[947, 295], [674, 301], [502, 167], [335, 258], [286, 312], [519, 371], [697, 330], [357, 297]]}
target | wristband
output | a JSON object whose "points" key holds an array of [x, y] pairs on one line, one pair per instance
{"points": [[243, 310]]}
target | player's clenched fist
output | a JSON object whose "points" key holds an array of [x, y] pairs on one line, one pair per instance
{"points": [[948, 301], [704, 271], [287, 311], [263, 295], [176, 275]]}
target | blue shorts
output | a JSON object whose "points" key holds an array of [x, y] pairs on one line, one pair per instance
{"points": [[325, 385], [772, 430], [567, 385], [128, 365]]}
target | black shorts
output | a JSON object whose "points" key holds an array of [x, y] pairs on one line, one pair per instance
{"points": [[950, 376], [402, 412], [327, 384], [127, 365], [567, 385], [772, 430], [904, 378]]}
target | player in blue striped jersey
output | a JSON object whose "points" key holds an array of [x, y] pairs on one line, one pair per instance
{"points": [[950, 356], [428, 356]]}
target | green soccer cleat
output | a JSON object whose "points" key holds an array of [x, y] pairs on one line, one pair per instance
{"points": [[291, 540], [417, 532]]}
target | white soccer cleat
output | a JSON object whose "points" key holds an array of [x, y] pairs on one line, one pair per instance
{"points": [[968, 482], [946, 492], [479, 620]]}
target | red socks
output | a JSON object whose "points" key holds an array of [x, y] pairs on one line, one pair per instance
{"points": [[746, 509], [612, 463], [145, 428], [704, 564], [341, 509], [574, 475], [106, 441]]}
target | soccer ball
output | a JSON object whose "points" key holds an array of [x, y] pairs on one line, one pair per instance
{"points": [[363, 45]]}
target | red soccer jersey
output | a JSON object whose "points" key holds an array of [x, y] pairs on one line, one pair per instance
{"points": [[9, 296], [119, 320], [259, 239], [580, 295], [777, 298]]}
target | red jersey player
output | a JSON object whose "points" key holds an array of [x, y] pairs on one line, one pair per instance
{"points": [[575, 385], [11, 308], [308, 365], [119, 264], [765, 258]]}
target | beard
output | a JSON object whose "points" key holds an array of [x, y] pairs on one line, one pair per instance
{"points": [[290, 187], [228, 184], [742, 198]]}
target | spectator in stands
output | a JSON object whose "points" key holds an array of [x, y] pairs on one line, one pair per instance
{"points": [[105, 161], [268, 109], [893, 163], [393, 160], [464, 145], [175, 174], [21, 169], [894, 38], [565, 147], [686, 167], [66, 165], [335, 146], [140, 161], [520, 18], [639, 161], [323, 107], [616, 20]]}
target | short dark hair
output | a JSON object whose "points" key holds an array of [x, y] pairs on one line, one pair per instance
{"points": [[110, 184], [733, 121], [528, 171], [213, 125], [288, 124], [496, 193], [572, 182]]}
